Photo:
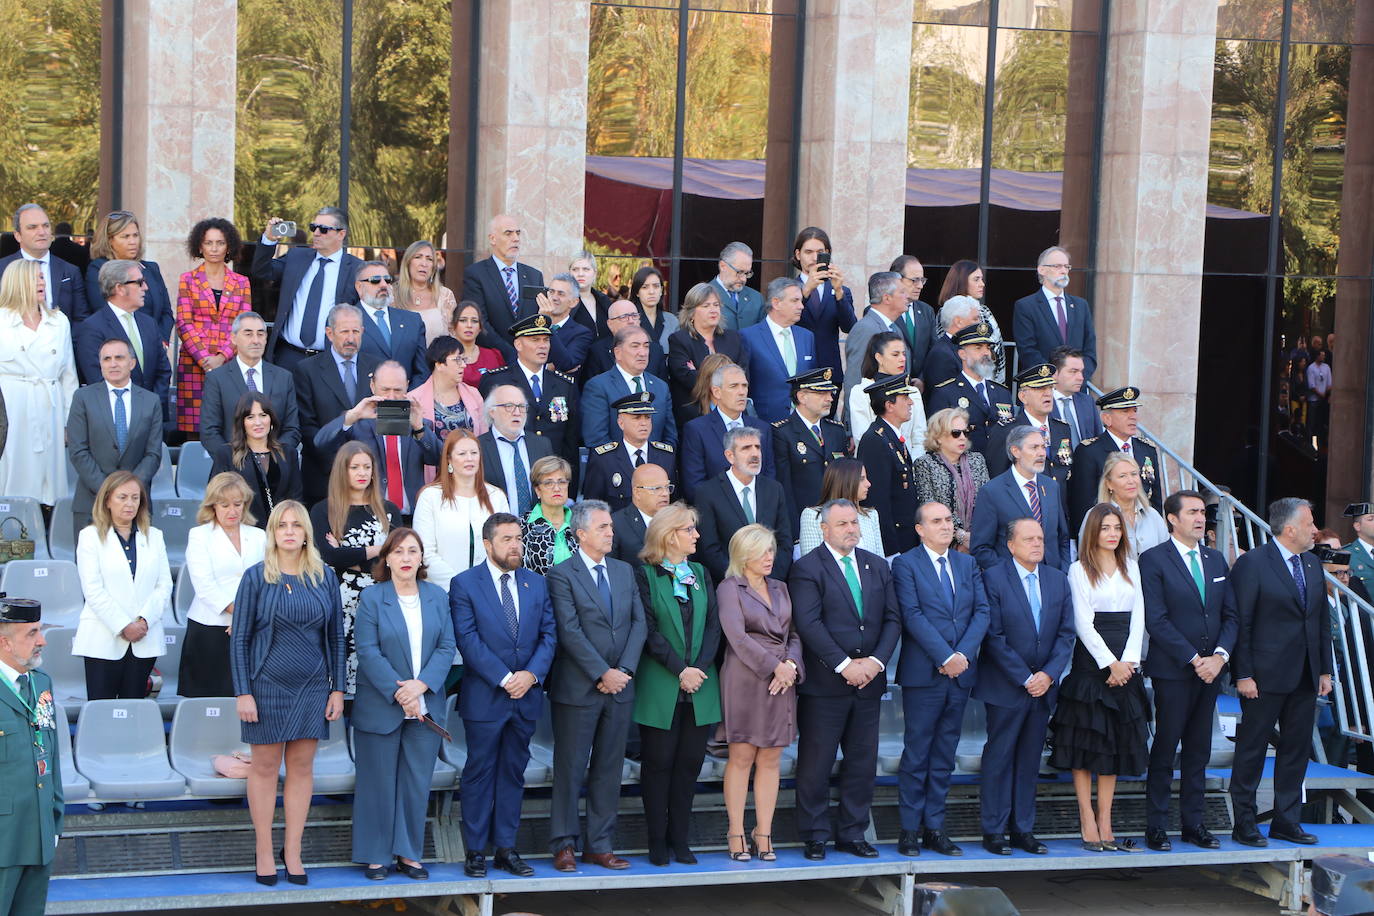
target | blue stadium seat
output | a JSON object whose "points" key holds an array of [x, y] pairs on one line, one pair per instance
{"points": [[183, 593], [56, 583], [164, 481], [175, 518], [122, 750], [167, 665]]}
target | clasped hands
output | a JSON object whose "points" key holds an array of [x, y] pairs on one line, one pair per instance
{"points": [[613, 681], [860, 671], [519, 684], [408, 694], [1121, 672], [784, 676], [1209, 667], [956, 666], [1039, 684], [135, 630]]}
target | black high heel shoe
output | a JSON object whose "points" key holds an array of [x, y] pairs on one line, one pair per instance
{"points": [[265, 880], [302, 878]]}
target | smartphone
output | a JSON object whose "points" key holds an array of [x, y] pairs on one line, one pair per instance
{"points": [[393, 417], [532, 292], [823, 260], [286, 229]]}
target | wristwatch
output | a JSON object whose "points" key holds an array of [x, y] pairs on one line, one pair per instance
{"points": [[625, 671], [417, 433]]}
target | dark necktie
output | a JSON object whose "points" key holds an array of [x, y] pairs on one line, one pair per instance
{"points": [[509, 273], [508, 605], [1296, 562], [1061, 317], [734, 297], [816, 431], [252, 382], [603, 587], [639, 457], [536, 388], [983, 393], [1034, 497], [350, 380], [946, 581], [121, 419], [310, 321], [25, 689], [1068, 415], [522, 478]]}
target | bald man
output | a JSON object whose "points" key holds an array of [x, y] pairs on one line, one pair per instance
{"points": [[498, 284], [650, 491]]}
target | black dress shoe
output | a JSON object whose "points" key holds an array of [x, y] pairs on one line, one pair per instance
{"points": [[937, 840], [1249, 836], [475, 865], [375, 874], [1028, 843], [658, 854], [909, 843], [416, 872], [815, 851], [1292, 833], [684, 856], [1158, 839], [509, 860], [996, 844], [1200, 837], [860, 848]]}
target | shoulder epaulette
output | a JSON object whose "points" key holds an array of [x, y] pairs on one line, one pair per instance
{"points": [[563, 375], [1144, 440], [834, 423], [778, 423], [948, 381], [1088, 441], [662, 446], [608, 447]]}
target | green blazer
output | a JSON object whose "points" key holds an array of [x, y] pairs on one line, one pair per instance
{"points": [[30, 805], [665, 656]]}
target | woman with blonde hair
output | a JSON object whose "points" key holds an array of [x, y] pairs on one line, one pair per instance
{"points": [[450, 512], [37, 381], [287, 660], [548, 533], [219, 550], [950, 471], [118, 237], [419, 290], [763, 662], [1120, 486], [594, 303]]}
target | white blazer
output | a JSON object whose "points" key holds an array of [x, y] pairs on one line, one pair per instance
{"points": [[450, 531], [114, 599], [215, 568]]}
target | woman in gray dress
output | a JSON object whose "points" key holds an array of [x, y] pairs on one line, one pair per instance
{"points": [[763, 661], [287, 661]]}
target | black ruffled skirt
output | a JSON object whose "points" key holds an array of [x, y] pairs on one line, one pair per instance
{"points": [[1102, 729]]}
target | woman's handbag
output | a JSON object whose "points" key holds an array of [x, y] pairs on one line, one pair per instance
{"points": [[20, 548]]}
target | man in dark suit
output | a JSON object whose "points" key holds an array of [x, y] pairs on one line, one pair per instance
{"points": [[406, 454], [702, 446], [779, 348], [942, 362], [828, 304], [1119, 414], [883, 451], [918, 324], [807, 440], [846, 612], [569, 341], [508, 452], [1027, 649], [552, 395], [944, 617], [611, 466], [626, 377], [498, 284], [113, 425], [226, 384], [1072, 404], [601, 633], [390, 332], [124, 287], [622, 314], [311, 280], [327, 385], [740, 306], [503, 621], [987, 401], [739, 497], [887, 303], [63, 284], [1190, 615], [1021, 491], [1034, 390], [1050, 317], [651, 491], [69, 249], [1281, 664]]}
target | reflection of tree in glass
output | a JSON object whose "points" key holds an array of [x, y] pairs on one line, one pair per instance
{"points": [[1031, 109], [946, 107]]}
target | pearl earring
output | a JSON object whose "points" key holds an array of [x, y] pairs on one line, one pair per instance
{"points": [[450, 469]]}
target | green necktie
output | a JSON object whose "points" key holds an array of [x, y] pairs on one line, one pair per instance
{"points": [[910, 329], [748, 509], [639, 385], [789, 352], [852, 577], [1197, 575], [135, 341]]}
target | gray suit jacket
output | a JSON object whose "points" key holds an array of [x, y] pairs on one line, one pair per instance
{"points": [[856, 345], [750, 309], [223, 388], [593, 639], [91, 440]]}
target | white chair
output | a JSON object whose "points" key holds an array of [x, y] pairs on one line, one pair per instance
{"points": [[333, 768], [68, 672], [75, 787], [27, 511], [202, 728], [193, 471], [164, 480], [62, 534], [122, 750], [168, 664], [183, 594], [54, 583]]}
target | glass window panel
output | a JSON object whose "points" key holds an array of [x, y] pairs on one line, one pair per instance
{"points": [[1314, 170], [1329, 21], [287, 147], [1030, 114], [763, 7], [1244, 93], [948, 71], [398, 154], [50, 149], [1250, 19], [728, 60], [1035, 14], [952, 12], [631, 81]]}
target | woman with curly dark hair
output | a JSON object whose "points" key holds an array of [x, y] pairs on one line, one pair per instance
{"points": [[209, 297]]}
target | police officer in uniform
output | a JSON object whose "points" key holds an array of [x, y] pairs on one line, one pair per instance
{"points": [[1119, 409], [610, 466], [552, 396], [891, 479], [30, 779], [1035, 391], [807, 440], [1362, 548], [987, 401]]}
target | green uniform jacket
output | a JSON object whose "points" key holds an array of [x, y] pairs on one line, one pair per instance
{"points": [[30, 805], [1361, 563], [656, 686]]}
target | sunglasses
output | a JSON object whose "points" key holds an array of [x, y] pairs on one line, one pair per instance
{"points": [[320, 227], [959, 433], [377, 279]]}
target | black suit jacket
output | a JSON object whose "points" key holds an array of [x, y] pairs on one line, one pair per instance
{"points": [[69, 293], [287, 272], [482, 283], [1179, 622], [721, 515], [800, 461], [154, 373], [942, 362], [220, 398], [600, 359], [596, 325], [91, 440], [535, 446], [320, 397], [1058, 449], [156, 301], [1089, 459], [830, 627], [555, 417], [685, 354], [1036, 330], [629, 530], [1276, 623], [283, 479], [610, 469]]}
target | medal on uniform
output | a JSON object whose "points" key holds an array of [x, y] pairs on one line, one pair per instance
{"points": [[1004, 411], [1065, 453], [615, 479], [963, 402], [558, 409], [1147, 470], [801, 448]]}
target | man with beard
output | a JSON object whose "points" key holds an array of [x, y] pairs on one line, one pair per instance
{"points": [[987, 401], [1050, 317], [390, 332], [1024, 490], [1034, 389]]}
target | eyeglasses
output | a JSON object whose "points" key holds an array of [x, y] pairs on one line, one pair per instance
{"points": [[379, 279], [553, 482], [657, 489], [1058, 266], [624, 317], [918, 281], [959, 433], [512, 407], [746, 274], [140, 281], [688, 529], [321, 227]]}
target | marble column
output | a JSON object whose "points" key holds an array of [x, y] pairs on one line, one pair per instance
{"points": [[854, 132], [179, 108], [1152, 209], [532, 125]]}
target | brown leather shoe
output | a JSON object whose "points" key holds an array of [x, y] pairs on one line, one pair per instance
{"points": [[565, 859], [605, 860]]}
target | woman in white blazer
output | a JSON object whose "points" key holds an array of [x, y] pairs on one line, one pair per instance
{"points": [[218, 550], [127, 584], [450, 513]]}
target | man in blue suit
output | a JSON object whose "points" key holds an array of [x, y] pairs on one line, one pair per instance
{"points": [[122, 319], [829, 310], [778, 350], [504, 624], [1050, 317], [944, 618], [312, 281], [703, 439], [631, 351], [64, 287], [1027, 649], [740, 306], [390, 332], [1190, 614], [569, 342], [1022, 491], [1072, 403]]}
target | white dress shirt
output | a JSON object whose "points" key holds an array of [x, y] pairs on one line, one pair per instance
{"points": [[739, 492], [11, 675], [780, 337], [128, 401], [1183, 550], [1021, 485], [413, 615], [839, 561], [508, 451], [257, 374], [292, 331], [1111, 595], [630, 379]]}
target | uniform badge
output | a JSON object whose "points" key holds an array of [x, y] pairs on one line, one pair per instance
{"points": [[1065, 456], [44, 711], [963, 402], [801, 448], [615, 479], [1004, 411], [558, 409], [1147, 470]]}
